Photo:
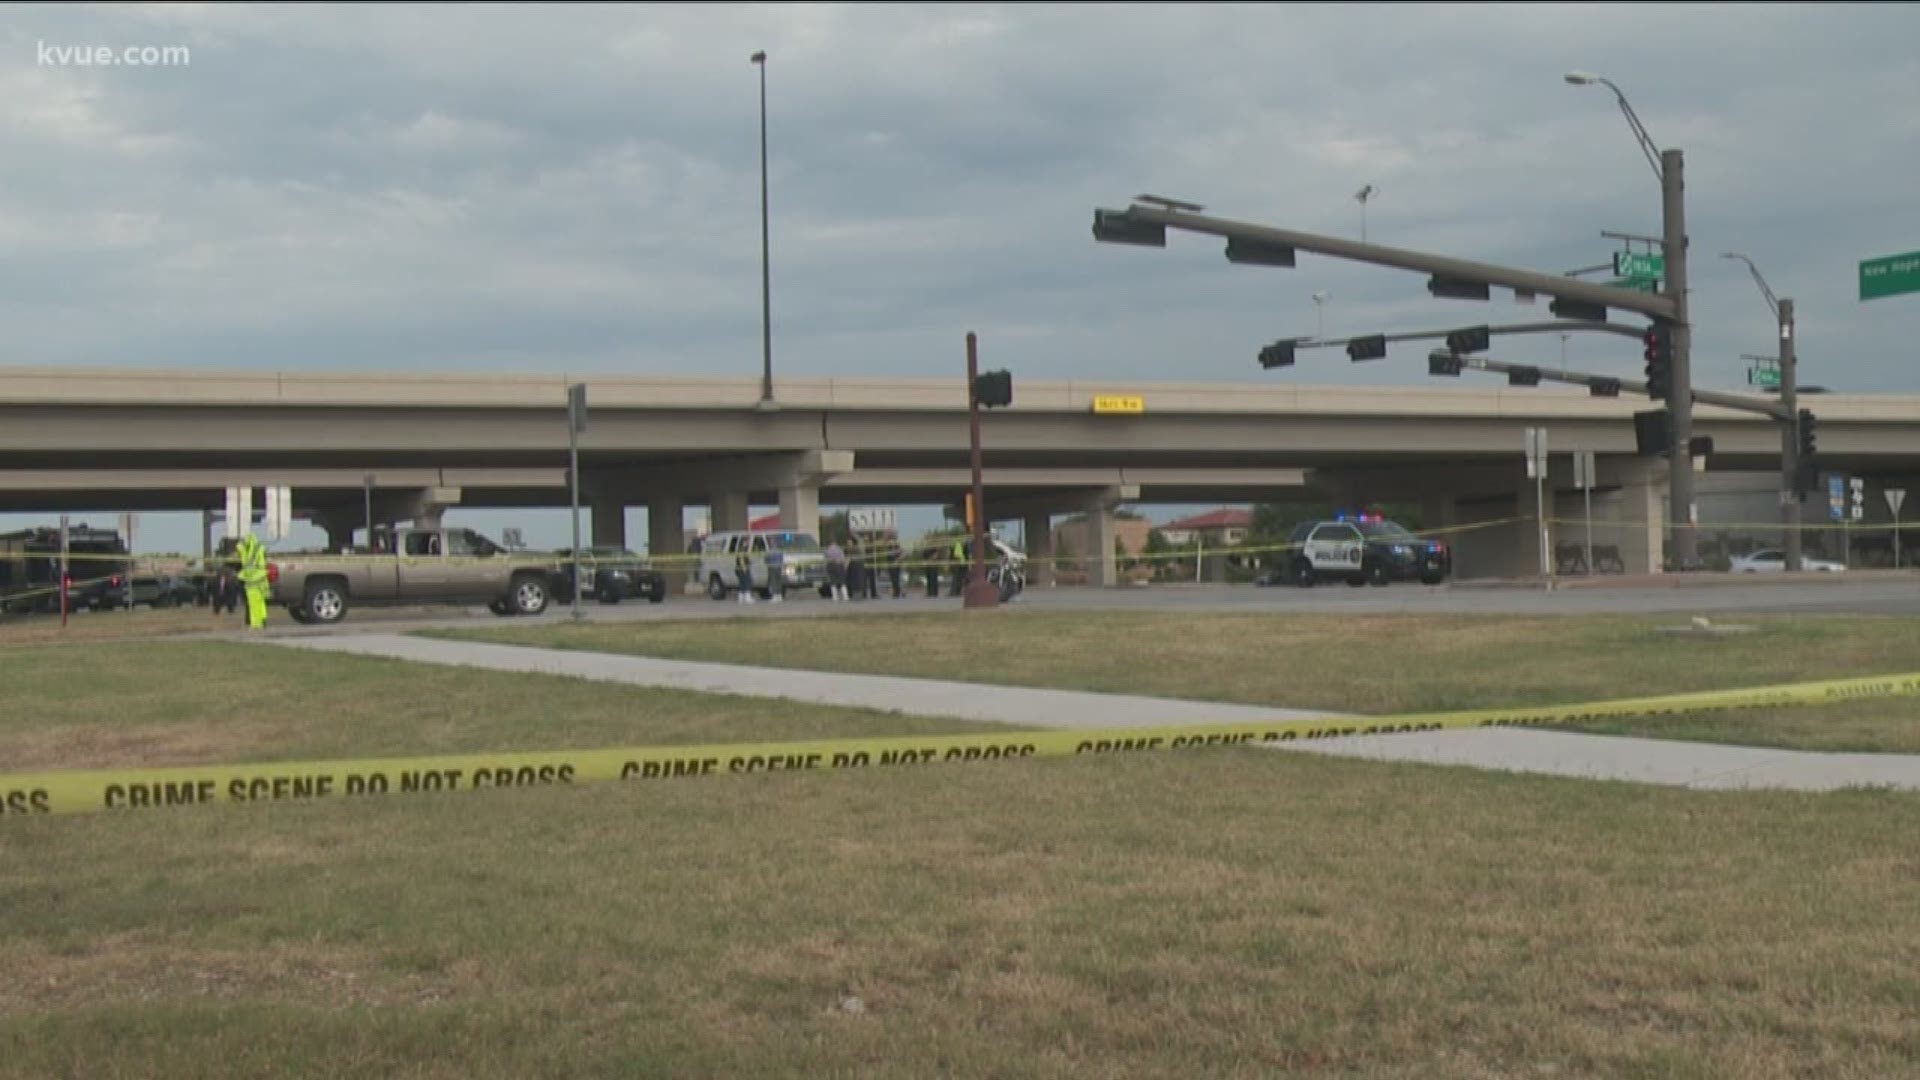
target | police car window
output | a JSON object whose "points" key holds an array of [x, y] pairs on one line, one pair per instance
{"points": [[1384, 529]]}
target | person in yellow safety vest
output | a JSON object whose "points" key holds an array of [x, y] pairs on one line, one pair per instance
{"points": [[961, 571], [253, 577]]}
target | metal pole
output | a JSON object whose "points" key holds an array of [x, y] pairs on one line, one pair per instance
{"points": [[1790, 436], [979, 592], [65, 570], [1588, 457], [366, 485], [1680, 403], [1540, 509], [766, 272], [573, 474]]}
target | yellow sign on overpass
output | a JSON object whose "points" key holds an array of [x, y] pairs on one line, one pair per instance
{"points": [[1115, 403]]}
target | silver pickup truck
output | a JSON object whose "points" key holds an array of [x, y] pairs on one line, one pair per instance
{"points": [[411, 566]]}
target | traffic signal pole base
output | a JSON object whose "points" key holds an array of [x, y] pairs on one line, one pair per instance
{"points": [[981, 594]]}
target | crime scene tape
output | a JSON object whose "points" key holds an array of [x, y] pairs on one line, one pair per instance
{"points": [[680, 560], [158, 788]]}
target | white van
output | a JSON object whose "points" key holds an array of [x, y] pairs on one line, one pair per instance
{"points": [[802, 562]]}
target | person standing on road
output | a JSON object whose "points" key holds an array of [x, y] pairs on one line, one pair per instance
{"points": [[961, 571], [930, 560], [743, 570], [836, 571], [894, 557], [253, 578]]}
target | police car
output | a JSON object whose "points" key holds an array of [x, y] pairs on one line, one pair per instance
{"points": [[1365, 549]]}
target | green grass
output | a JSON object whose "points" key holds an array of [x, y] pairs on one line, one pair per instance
{"points": [[1232, 912], [191, 703], [1368, 664]]}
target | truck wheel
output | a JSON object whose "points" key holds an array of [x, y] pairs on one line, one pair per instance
{"points": [[716, 588], [529, 595], [1376, 574], [658, 594], [325, 601], [607, 596]]}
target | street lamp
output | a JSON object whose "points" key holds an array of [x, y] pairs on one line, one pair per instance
{"points": [[766, 278], [1361, 197], [1319, 314], [1582, 78], [1789, 402], [1670, 167]]}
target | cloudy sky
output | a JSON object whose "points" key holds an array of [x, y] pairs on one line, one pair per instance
{"points": [[576, 188]]}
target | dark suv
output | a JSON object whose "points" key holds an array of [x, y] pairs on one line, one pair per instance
{"points": [[613, 574], [1367, 550]]}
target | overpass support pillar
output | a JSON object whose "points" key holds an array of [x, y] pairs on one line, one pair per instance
{"points": [[1038, 530], [800, 506], [666, 541], [206, 534], [729, 510], [1533, 534], [609, 521], [1103, 568], [1639, 515]]}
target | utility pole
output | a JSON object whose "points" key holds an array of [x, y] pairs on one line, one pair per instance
{"points": [[1790, 437], [1680, 402], [766, 271], [979, 592], [576, 423]]}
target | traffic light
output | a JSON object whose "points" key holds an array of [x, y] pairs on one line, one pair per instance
{"points": [[1650, 433], [1808, 448], [1367, 348], [993, 388], [1601, 386], [1659, 356], [1278, 354], [1471, 340], [1443, 364], [1523, 375]]}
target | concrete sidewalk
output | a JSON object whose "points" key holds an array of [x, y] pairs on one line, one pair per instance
{"points": [[914, 697], [1554, 753]]}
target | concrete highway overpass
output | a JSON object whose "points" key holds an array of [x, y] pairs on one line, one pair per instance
{"points": [[142, 439]]}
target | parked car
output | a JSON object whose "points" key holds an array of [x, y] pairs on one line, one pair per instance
{"points": [[612, 575], [1770, 561], [1366, 550], [802, 561], [411, 566]]}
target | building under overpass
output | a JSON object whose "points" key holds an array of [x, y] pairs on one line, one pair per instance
{"points": [[98, 439]]}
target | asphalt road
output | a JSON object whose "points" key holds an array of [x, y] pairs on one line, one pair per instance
{"points": [[1882, 596]]}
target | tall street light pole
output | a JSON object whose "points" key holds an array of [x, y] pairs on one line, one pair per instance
{"points": [[1789, 400], [766, 273], [1670, 167]]}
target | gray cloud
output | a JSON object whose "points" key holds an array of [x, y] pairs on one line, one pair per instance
{"points": [[505, 187]]}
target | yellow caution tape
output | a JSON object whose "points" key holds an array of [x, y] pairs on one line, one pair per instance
{"points": [[146, 789]]}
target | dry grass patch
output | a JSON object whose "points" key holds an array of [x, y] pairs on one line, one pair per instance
{"points": [[1221, 913], [1367, 664], [192, 703]]}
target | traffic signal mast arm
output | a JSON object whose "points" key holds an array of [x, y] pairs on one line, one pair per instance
{"points": [[1139, 219], [1739, 402], [1517, 328]]}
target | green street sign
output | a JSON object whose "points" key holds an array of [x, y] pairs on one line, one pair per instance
{"points": [[1890, 276], [1642, 284], [1629, 264], [1764, 377]]}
